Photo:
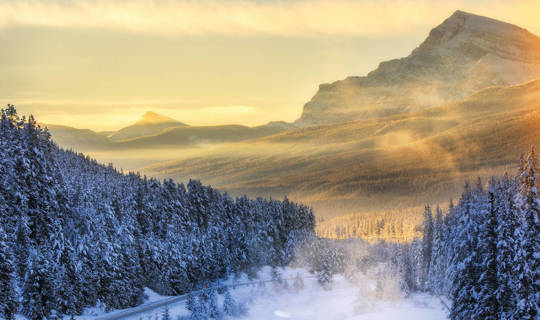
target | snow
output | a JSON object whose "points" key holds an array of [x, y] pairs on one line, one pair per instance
{"points": [[343, 300]]}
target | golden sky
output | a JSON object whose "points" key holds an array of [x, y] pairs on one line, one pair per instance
{"points": [[102, 64]]}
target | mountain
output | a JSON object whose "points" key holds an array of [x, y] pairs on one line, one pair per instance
{"points": [[150, 124], [78, 139], [192, 136], [128, 147], [464, 54], [403, 160]]}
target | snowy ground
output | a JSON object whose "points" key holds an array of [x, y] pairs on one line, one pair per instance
{"points": [[343, 301]]}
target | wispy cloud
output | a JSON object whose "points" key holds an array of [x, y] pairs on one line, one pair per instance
{"points": [[240, 17]]}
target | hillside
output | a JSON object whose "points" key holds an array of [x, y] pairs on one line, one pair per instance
{"points": [[464, 54], [77, 139], [404, 160]]}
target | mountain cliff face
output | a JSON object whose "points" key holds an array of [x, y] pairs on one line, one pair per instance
{"points": [[464, 54]]}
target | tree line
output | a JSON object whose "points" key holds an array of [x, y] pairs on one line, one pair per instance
{"points": [[393, 226], [75, 233]]}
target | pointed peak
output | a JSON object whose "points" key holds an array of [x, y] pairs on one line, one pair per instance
{"points": [[463, 28], [460, 13], [154, 118], [150, 114], [480, 23]]}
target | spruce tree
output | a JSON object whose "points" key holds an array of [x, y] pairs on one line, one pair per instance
{"points": [[438, 261], [507, 243], [464, 277], [38, 291], [8, 296], [229, 306], [527, 259], [427, 245], [488, 304]]}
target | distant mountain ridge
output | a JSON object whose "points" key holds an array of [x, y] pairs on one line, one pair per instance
{"points": [[157, 131], [464, 54]]}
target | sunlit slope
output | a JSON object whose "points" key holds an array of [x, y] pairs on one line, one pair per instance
{"points": [[462, 55], [404, 160]]}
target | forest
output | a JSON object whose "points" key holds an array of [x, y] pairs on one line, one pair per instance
{"points": [[75, 233], [484, 253]]}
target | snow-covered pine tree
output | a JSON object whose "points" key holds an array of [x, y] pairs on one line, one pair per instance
{"points": [[230, 308], [427, 245], [8, 295], [507, 224], [38, 292], [191, 301], [438, 261], [208, 299], [67, 285], [527, 259], [488, 305], [463, 284]]}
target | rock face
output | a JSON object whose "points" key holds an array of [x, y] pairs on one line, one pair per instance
{"points": [[464, 54]]}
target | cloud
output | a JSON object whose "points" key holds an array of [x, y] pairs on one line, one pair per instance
{"points": [[244, 18]]}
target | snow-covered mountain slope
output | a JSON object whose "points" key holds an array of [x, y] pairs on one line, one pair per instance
{"points": [[464, 54]]}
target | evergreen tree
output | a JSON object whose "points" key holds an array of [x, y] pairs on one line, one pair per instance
{"points": [[488, 304], [38, 294], [507, 243], [527, 259], [427, 244], [438, 261], [463, 293], [229, 305], [8, 297]]}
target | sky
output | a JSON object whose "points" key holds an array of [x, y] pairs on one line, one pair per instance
{"points": [[103, 64]]}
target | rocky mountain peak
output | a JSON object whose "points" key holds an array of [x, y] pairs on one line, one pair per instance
{"points": [[474, 35], [464, 54]]}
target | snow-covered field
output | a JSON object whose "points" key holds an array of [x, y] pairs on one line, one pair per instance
{"points": [[343, 301]]}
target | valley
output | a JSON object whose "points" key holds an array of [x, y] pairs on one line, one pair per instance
{"points": [[463, 104]]}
